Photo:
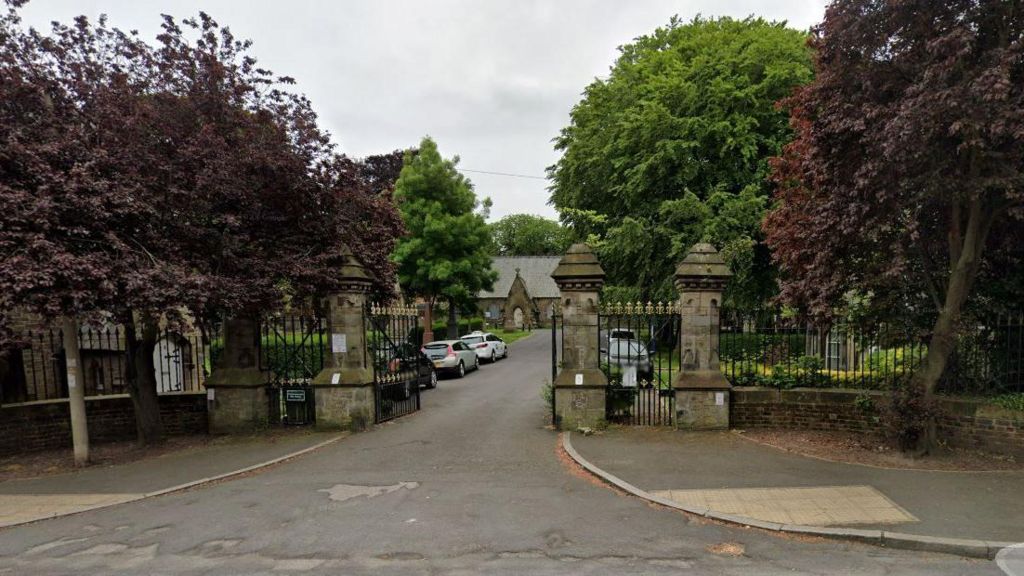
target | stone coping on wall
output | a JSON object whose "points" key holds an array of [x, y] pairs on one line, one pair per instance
{"points": [[97, 398], [958, 405]]}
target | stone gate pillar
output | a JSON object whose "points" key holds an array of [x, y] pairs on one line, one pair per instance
{"points": [[236, 389], [343, 390], [702, 391], [580, 385]]}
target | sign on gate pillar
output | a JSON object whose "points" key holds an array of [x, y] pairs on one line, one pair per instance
{"points": [[702, 391], [236, 388], [344, 388], [579, 387]]}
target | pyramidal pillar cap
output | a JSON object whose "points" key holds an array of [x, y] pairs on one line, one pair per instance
{"points": [[703, 269], [579, 270], [354, 276]]}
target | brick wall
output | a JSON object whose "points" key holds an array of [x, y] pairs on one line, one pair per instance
{"points": [[46, 425], [964, 423]]}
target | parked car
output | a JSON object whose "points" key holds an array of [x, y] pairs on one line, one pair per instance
{"points": [[410, 362], [486, 345], [626, 353], [615, 334], [452, 356]]}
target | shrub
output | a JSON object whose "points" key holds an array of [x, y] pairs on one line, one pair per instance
{"points": [[1010, 401]]}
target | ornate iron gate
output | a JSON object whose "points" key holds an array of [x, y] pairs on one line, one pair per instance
{"points": [[291, 353], [637, 353], [399, 367]]}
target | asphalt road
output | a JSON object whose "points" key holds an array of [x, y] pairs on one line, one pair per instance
{"points": [[471, 484]]}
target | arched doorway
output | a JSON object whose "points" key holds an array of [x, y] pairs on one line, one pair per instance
{"points": [[517, 318], [170, 358]]}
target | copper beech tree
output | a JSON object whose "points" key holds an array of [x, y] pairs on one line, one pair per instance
{"points": [[906, 175], [150, 185]]}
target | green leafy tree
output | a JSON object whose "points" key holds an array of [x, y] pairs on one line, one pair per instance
{"points": [[446, 253], [529, 235], [673, 147]]}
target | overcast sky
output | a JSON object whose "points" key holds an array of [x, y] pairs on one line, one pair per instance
{"points": [[491, 81]]}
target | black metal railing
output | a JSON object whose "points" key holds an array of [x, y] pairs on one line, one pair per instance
{"points": [[34, 367], [291, 353], [767, 348], [399, 368], [637, 351], [292, 347]]}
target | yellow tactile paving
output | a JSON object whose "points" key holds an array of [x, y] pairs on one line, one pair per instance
{"points": [[18, 508], [816, 506]]}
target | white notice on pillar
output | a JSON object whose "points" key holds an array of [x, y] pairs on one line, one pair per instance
{"points": [[72, 381], [579, 379], [339, 345], [335, 378], [719, 398], [210, 394]]}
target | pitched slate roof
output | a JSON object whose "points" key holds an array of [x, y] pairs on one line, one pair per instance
{"points": [[535, 270]]}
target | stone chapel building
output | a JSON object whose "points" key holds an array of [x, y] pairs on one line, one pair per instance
{"points": [[523, 294]]}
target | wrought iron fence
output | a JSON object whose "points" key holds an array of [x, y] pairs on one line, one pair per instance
{"points": [[291, 347], [399, 368], [34, 368], [637, 351], [766, 348]]}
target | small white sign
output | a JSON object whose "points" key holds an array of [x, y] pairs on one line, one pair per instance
{"points": [[579, 379], [210, 394], [72, 363], [72, 381], [336, 378], [719, 398], [339, 344]]}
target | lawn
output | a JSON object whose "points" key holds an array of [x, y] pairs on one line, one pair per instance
{"points": [[514, 335]]}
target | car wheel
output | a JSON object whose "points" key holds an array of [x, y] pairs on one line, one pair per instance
{"points": [[462, 369], [433, 380], [505, 355], [476, 362], [494, 357]]}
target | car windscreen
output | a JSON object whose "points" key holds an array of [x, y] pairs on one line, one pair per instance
{"points": [[623, 334], [473, 339], [437, 350], [626, 348]]}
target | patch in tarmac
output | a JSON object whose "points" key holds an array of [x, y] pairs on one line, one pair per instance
{"points": [[343, 492], [1011, 560]]}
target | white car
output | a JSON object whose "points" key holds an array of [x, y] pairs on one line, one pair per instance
{"points": [[486, 345]]}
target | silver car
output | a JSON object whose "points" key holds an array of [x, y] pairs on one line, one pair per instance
{"points": [[452, 356], [629, 353]]}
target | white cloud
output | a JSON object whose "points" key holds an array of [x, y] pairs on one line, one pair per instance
{"points": [[491, 81]]}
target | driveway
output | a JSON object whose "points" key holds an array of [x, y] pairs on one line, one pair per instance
{"points": [[473, 483]]}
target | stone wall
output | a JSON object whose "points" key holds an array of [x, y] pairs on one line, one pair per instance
{"points": [[47, 425], [965, 423]]}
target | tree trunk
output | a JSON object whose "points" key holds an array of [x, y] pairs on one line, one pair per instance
{"points": [[76, 391], [428, 321], [453, 321], [965, 257], [142, 379]]}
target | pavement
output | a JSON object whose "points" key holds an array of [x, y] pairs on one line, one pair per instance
{"points": [[32, 499], [473, 483], [726, 473]]}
